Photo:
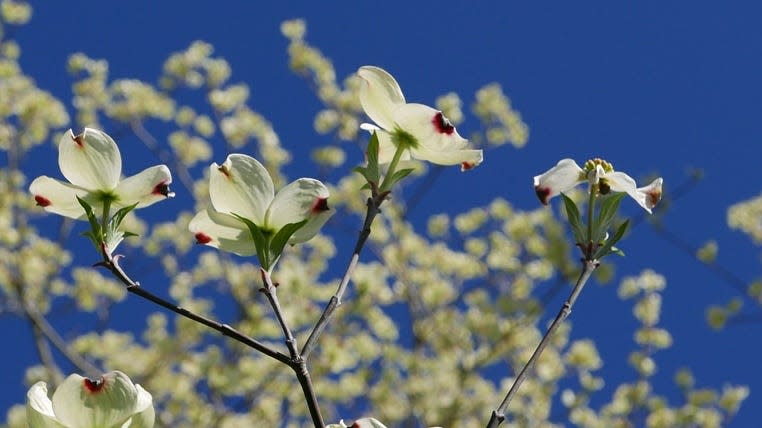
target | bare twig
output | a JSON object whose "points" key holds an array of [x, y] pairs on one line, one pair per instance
{"points": [[112, 264], [498, 415], [43, 326], [46, 356], [297, 362], [373, 209], [164, 155], [269, 290]]}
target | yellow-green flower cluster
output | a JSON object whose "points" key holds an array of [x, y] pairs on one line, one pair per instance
{"points": [[502, 123], [745, 216], [15, 12], [342, 106], [133, 100], [90, 91]]}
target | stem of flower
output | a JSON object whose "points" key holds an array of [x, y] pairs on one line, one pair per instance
{"points": [[373, 209], [105, 216], [498, 415], [112, 264], [385, 184], [590, 209], [378, 195], [272, 296], [297, 362], [264, 259]]}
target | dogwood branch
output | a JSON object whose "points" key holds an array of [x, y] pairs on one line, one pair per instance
{"points": [[498, 415], [111, 263], [42, 326], [374, 203], [297, 362]]}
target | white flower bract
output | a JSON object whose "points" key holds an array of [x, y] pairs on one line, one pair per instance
{"points": [[434, 138], [242, 187], [567, 174], [92, 164], [112, 401]]}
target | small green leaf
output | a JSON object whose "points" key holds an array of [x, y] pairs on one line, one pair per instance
{"points": [[619, 232], [118, 216], [95, 226], [617, 251], [363, 171], [95, 234], [606, 215], [399, 175], [261, 241], [372, 153], [112, 236], [574, 220], [607, 248], [371, 172], [281, 238]]}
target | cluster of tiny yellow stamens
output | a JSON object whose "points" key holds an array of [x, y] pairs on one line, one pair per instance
{"points": [[600, 187], [592, 163]]}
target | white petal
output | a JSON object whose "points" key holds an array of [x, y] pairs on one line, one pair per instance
{"points": [[467, 159], [650, 195], [298, 201], [145, 415], [90, 160], [109, 402], [621, 182], [371, 128], [39, 408], [379, 95], [562, 177], [368, 423], [433, 131], [222, 231], [58, 197], [311, 228], [241, 186], [145, 188]]}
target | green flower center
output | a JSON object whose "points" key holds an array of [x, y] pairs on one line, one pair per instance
{"points": [[404, 139], [106, 197]]}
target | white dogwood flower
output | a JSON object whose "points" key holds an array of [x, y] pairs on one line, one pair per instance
{"points": [[425, 132], [599, 173], [242, 187], [360, 423], [93, 165], [112, 401]]}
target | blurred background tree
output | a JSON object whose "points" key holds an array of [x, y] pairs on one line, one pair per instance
{"points": [[444, 307]]}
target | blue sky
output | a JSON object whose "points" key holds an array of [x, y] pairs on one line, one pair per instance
{"points": [[650, 86]]}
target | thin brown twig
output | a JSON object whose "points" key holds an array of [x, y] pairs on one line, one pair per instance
{"points": [[498, 415], [46, 355], [298, 363], [112, 264], [152, 143], [373, 209], [40, 323]]}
